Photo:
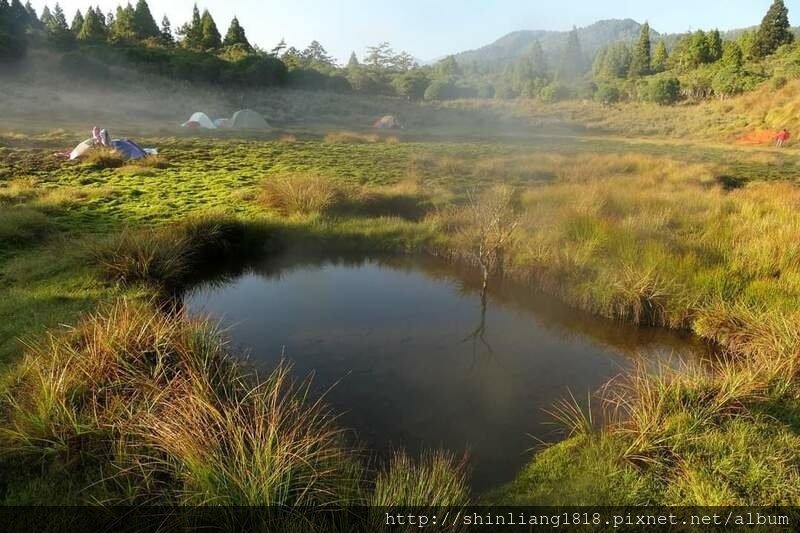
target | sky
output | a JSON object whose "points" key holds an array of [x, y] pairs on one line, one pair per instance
{"points": [[429, 30]]}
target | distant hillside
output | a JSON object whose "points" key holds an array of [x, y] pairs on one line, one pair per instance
{"points": [[592, 38]]}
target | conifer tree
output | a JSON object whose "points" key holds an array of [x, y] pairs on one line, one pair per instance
{"points": [[774, 31], [641, 59], [211, 39], [122, 29], [77, 23], [236, 35], [192, 33], [93, 29], [660, 58], [714, 46], [57, 25], [571, 66], [352, 63], [47, 17], [166, 32], [144, 25]]}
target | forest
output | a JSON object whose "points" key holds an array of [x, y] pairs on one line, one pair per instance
{"points": [[662, 69]]}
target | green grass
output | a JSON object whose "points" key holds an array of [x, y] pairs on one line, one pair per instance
{"points": [[626, 228]]}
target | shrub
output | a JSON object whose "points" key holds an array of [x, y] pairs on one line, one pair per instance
{"points": [[607, 94], [301, 193], [556, 92], [663, 91]]}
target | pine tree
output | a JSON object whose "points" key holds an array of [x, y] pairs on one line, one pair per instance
{"points": [[732, 56], [211, 39], [279, 48], [144, 25], [660, 58], [166, 32], [47, 17], [714, 46], [641, 59], [92, 29], [571, 66], [102, 18], [32, 17], [352, 63], [236, 35], [13, 43], [77, 22], [122, 29], [774, 31], [18, 14], [192, 33], [57, 23]]}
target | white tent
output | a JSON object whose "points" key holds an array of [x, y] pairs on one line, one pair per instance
{"points": [[200, 120], [247, 119], [81, 149]]}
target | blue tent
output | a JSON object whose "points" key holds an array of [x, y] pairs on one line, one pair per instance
{"points": [[129, 149]]}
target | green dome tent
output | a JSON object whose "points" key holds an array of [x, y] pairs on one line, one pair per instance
{"points": [[247, 119]]}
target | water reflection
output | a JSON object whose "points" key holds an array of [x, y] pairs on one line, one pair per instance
{"points": [[420, 358]]}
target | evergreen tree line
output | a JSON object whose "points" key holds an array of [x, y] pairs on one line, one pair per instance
{"points": [[697, 65]]}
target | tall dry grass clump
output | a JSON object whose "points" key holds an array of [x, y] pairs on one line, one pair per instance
{"points": [[437, 479], [161, 405], [152, 407], [101, 158], [301, 193], [166, 257]]}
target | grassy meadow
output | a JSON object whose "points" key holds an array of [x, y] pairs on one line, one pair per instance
{"points": [[110, 395]]}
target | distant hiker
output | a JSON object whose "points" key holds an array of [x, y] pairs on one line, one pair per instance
{"points": [[782, 137]]}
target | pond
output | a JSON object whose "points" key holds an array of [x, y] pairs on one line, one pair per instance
{"points": [[405, 350]]}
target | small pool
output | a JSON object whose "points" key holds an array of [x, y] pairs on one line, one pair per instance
{"points": [[406, 351]]}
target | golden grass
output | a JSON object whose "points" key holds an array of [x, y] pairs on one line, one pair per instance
{"points": [[300, 193]]}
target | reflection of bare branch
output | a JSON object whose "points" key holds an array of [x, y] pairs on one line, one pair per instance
{"points": [[479, 334]]}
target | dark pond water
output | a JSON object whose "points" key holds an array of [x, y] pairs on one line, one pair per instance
{"points": [[413, 362]]}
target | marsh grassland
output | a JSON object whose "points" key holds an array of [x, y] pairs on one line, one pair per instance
{"points": [[110, 395]]}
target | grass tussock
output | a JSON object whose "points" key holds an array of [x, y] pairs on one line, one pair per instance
{"points": [[166, 258], [161, 406], [156, 407], [102, 158], [437, 479], [301, 193]]}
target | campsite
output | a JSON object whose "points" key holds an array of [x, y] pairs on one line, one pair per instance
{"points": [[220, 293]]}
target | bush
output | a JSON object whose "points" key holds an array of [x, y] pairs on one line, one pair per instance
{"points": [[556, 92], [440, 90], [663, 91], [607, 94], [728, 82]]}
